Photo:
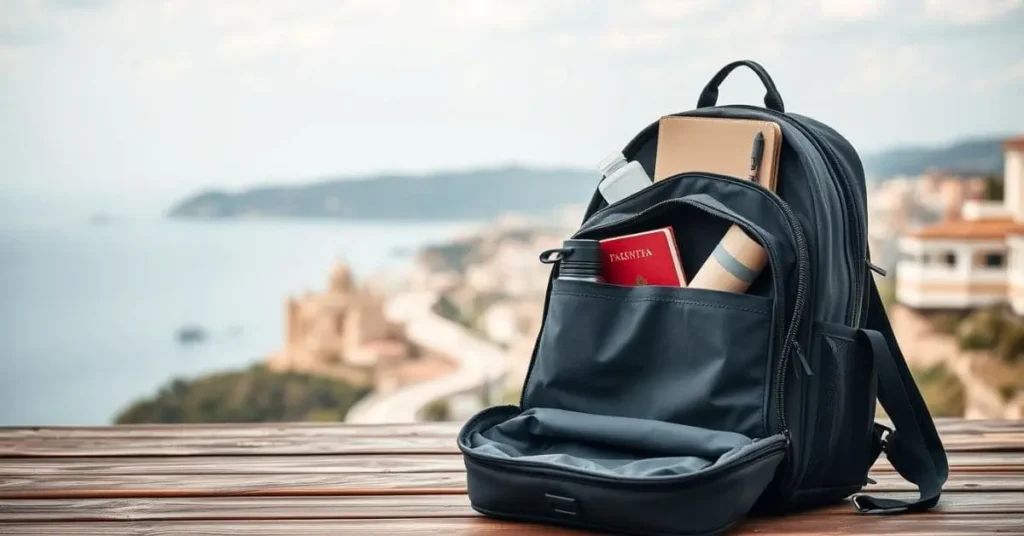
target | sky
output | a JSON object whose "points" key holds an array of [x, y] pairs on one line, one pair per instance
{"points": [[158, 99]]}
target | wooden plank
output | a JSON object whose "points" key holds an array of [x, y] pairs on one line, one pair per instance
{"points": [[220, 485], [946, 425], [990, 442], [197, 444], [474, 526], [318, 438], [958, 461], [981, 481], [228, 465], [106, 486], [930, 525], [365, 507], [290, 429], [226, 508], [355, 463], [478, 525], [232, 430]]}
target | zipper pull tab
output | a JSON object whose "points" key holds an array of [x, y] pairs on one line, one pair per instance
{"points": [[800, 356], [877, 269]]}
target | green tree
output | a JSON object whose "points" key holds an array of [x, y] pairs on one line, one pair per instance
{"points": [[253, 395], [942, 391], [994, 188]]}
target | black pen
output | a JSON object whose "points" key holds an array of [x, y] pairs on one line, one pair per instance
{"points": [[755, 156]]}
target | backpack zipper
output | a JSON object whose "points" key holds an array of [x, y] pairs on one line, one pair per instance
{"points": [[623, 481], [838, 174], [691, 478]]}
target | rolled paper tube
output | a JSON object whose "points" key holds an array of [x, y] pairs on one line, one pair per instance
{"points": [[733, 265]]}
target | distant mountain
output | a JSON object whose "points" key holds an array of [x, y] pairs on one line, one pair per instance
{"points": [[465, 195], [485, 193], [983, 156]]}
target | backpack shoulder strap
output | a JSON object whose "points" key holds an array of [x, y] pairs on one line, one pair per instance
{"points": [[913, 446]]}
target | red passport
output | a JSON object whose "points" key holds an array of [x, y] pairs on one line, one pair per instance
{"points": [[647, 258]]}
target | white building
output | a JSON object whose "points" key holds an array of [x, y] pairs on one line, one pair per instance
{"points": [[973, 259]]}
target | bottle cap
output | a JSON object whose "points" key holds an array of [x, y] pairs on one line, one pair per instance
{"points": [[583, 250], [610, 163], [583, 260]]}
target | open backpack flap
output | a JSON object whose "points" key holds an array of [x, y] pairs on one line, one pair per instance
{"points": [[674, 410]]}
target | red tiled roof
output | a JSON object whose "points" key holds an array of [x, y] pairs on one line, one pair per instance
{"points": [[1016, 142], [971, 229]]}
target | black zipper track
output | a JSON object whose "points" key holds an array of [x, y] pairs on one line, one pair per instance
{"points": [[842, 177], [796, 234], [546, 469]]}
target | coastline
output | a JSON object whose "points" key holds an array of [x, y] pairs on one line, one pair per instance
{"points": [[90, 312]]}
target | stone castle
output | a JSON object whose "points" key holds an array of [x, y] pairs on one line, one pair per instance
{"points": [[344, 333]]}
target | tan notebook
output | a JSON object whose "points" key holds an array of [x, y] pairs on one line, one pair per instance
{"points": [[716, 145]]}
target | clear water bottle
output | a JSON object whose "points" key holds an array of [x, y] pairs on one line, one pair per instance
{"points": [[578, 260]]}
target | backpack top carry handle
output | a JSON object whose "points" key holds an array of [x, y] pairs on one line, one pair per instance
{"points": [[772, 99]]}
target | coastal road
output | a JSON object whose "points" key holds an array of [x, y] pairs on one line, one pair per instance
{"points": [[478, 361]]}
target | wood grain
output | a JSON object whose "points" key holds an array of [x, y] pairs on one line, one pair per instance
{"points": [[278, 440], [290, 429], [855, 524], [354, 463], [228, 465], [233, 430], [227, 508], [299, 478], [221, 485], [473, 526], [201, 445], [29, 487], [365, 507]]}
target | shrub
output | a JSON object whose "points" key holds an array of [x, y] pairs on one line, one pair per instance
{"points": [[981, 329], [941, 390], [946, 322], [436, 411], [1011, 344], [253, 395]]}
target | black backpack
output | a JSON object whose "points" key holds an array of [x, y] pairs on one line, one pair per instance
{"points": [[663, 410]]}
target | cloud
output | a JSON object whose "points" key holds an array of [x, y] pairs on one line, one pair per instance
{"points": [[633, 39], [503, 15], [885, 68], [33, 22], [284, 39], [165, 68], [851, 10], [23, 24], [79, 4], [1007, 76], [675, 9], [969, 11]]}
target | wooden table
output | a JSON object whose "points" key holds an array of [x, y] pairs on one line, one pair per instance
{"points": [[386, 479]]}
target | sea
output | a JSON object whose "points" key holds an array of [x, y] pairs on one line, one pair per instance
{"points": [[90, 308]]}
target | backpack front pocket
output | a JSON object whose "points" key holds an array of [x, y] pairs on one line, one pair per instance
{"points": [[719, 327], [686, 356], [613, 473]]}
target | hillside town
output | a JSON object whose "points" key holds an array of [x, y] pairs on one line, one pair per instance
{"points": [[954, 246]]}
